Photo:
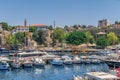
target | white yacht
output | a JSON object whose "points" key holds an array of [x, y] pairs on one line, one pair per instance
{"points": [[4, 65], [28, 63], [68, 61], [56, 62], [76, 60], [39, 62]]}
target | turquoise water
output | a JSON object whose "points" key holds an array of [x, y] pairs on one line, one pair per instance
{"points": [[51, 72]]}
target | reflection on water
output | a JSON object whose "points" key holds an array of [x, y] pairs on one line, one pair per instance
{"points": [[51, 72]]}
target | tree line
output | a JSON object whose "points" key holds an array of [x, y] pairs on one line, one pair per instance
{"points": [[58, 35]]}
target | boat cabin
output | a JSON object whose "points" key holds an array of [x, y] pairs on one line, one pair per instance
{"points": [[100, 76]]}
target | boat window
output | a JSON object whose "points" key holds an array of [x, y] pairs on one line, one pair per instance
{"points": [[2, 63]]}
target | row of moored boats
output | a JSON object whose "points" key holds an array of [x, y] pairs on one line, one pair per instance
{"points": [[39, 62]]}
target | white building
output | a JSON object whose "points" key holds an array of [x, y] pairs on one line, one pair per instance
{"points": [[20, 29], [39, 26]]}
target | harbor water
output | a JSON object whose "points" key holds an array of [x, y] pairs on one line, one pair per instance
{"points": [[50, 72]]}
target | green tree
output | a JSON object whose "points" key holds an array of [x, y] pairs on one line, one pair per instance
{"points": [[76, 38], [102, 41], [112, 38], [35, 36], [89, 37], [11, 40], [66, 28], [40, 37], [50, 27], [66, 35], [75, 27], [5, 25], [84, 26], [32, 29], [21, 37], [58, 34]]}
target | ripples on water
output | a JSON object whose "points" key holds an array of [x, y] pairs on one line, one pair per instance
{"points": [[51, 72]]}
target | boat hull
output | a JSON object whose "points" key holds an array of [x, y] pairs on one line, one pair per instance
{"points": [[4, 65], [68, 62], [16, 66], [29, 65], [57, 63]]}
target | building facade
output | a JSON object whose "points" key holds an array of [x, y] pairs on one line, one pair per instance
{"points": [[24, 28], [20, 29], [40, 26], [103, 23]]}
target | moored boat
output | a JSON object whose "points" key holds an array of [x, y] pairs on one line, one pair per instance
{"points": [[57, 62], [39, 62], [76, 60], [15, 64], [95, 61], [68, 61], [4, 65], [28, 63]]}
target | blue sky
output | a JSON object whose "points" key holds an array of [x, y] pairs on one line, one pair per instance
{"points": [[64, 12]]}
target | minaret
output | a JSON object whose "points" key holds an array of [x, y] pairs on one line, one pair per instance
{"points": [[54, 24], [25, 23]]}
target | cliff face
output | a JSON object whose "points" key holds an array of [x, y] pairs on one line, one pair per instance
{"points": [[3, 35], [47, 38]]}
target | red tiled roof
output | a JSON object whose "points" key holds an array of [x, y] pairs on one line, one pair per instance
{"points": [[38, 25]]}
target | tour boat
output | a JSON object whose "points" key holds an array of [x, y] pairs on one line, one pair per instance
{"points": [[28, 63], [4, 65], [56, 62], [39, 62]]}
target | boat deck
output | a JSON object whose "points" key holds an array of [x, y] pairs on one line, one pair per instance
{"points": [[101, 76]]}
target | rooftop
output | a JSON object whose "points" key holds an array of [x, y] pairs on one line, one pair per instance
{"points": [[38, 25], [21, 27]]}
